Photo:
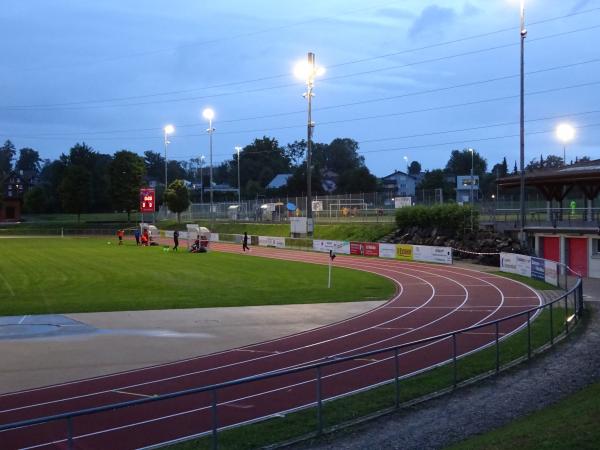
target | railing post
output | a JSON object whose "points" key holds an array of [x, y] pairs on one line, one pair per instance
{"points": [[551, 325], [455, 369], [397, 377], [70, 433], [528, 334], [566, 314], [497, 348], [319, 402], [215, 423]]}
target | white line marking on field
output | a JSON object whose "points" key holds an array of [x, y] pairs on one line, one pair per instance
{"points": [[394, 328], [8, 286]]}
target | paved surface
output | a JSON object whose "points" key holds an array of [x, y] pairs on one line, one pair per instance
{"points": [[66, 348], [569, 367]]}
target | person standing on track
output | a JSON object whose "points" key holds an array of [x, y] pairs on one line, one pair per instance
{"points": [[245, 242], [175, 240]]}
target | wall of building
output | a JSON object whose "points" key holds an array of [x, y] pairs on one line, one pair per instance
{"points": [[593, 249]]}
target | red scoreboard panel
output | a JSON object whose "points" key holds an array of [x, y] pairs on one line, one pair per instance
{"points": [[147, 200]]}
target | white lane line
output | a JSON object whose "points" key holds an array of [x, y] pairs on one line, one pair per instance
{"points": [[22, 320], [133, 393], [272, 352]]}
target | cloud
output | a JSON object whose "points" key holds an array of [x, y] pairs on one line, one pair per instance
{"points": [[431, 20]]}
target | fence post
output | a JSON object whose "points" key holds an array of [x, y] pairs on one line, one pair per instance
{"points": [[551, 325], [397, 370], [70, 433], [215, 425], [566, 314], [497, 348], [528, 334], [319, 402], [454, 358]]}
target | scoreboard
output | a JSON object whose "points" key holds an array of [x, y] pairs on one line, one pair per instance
{"points": [[147, 200]]}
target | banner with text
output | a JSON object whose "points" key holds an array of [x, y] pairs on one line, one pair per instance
{"points": [[426, 253], [387, 251], [267, 241], [341, 247], [404, 252]]}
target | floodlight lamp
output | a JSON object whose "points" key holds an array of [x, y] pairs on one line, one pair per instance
{"points": [[169, 129], [565, 132], [208, 114]]}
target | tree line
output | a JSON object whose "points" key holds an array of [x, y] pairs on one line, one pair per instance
{"points": [[84, 180]]}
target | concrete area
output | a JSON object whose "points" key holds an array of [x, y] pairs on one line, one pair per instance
{"points": [[118, 341]]}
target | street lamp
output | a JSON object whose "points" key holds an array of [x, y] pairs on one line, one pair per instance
{"points": [[565, 132], [237, 149], [523, 34], [209, 115], [406, 161], [307, 71], [169, 129]]}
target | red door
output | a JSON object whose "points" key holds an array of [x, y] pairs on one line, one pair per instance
{"points": [[578, 255], [551, 246]]}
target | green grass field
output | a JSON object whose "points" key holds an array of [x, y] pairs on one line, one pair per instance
{"points": [[84, 275]]}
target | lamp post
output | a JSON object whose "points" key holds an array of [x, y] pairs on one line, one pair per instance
{"points": [[202, 158], [523, 34], [209, 115], [307, 71], [406, 161], [237, 149], [472, 183], [169, 129], [565, 133]]}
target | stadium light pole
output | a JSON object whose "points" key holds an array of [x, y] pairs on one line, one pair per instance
{"points": [[307, 71], [237, 149], [523, 34], [169, 129], [472, 183], [202, 158], [209, 115], [406, 161], [565, 133]]}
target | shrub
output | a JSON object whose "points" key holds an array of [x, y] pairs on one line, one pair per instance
{"points": [[451, 217]]}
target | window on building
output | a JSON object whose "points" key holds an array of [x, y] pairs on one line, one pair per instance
{"points": [[596, 247]]}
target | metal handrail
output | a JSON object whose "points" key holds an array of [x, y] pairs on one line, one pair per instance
{"points": [[576, 290]]}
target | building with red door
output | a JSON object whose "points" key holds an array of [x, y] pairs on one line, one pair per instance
{"points": [[564, 224]]}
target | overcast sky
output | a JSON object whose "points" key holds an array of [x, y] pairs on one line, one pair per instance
{"points": [[112, 73]]}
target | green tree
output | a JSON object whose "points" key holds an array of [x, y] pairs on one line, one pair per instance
{"points": [[178, 198], [437, 179], [29, 160], [76, 190], [35, 200], [7, 153], [127, 171], [50, 179], [460, 163], [356, 180], [155, 165], [414, 168]]}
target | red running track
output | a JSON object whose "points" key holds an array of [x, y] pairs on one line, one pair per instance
{"points": [[430, 300]]}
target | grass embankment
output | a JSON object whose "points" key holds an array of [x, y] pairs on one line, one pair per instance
{"points": [[536, 284], [84, 275], [571, 423], [382, 398], [363, 232]]}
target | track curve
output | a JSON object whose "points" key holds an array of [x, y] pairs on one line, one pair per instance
{"points": [[430, 300]]}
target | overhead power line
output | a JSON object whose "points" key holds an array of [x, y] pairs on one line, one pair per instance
{"points": [[103, 103]]}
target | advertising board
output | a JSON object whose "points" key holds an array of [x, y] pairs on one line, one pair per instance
{"points": [[404, 252], [387, 250], [538, 269], [426, 253], [268, 241]]}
